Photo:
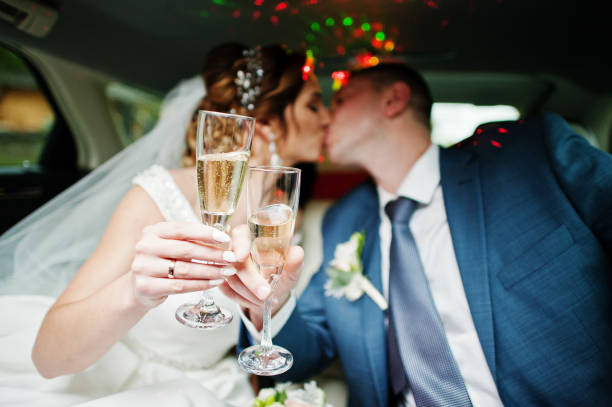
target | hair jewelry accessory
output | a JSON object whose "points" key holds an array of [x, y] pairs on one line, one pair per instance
{"points": [[249, 81]]}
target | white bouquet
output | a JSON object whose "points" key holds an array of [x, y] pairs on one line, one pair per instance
{"points": [[288, 395]]}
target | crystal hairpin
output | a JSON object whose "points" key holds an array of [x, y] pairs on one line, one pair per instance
{"points": [[249, 82]]}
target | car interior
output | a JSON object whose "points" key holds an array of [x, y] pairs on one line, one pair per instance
{"points": [[81, 80]]}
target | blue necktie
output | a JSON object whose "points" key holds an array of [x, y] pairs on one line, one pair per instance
{"points": [[416, 337]]}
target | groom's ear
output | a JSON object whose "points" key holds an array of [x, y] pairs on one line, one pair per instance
{"points": [[396, 98]]}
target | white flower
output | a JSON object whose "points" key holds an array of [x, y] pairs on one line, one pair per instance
{"points": [[266, 393], [345, 273], [282, 395], [310, 395], [353, 290], [346, 257]]}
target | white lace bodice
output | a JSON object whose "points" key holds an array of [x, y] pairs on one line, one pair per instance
{"points": [[162, 189], [158, 336]]}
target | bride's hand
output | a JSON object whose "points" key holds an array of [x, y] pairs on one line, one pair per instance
{"points": [[168, 260], [248, 288]]}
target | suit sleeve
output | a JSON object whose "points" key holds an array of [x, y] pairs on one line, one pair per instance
{"points": [[585, 174]]}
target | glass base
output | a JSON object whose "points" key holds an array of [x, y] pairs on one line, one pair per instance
{"points": [[276, 361], [195, 316]]}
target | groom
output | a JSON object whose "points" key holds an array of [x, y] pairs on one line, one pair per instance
{"points": [[493, 255]]}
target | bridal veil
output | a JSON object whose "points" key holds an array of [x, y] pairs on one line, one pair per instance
{"points": [[41, 254]]}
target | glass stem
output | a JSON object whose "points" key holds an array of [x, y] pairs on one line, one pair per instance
{"points": [[266, 335], [207, 303]]}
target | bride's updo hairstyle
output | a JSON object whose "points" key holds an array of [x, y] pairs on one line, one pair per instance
{"points": [[281, 83]]}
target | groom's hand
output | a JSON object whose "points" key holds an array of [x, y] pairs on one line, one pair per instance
{"points": [[249, 289]]}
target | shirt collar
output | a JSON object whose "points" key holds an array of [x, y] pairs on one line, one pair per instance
{"points": [[421, 181]]}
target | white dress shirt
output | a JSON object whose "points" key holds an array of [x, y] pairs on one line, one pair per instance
{"points": [[431, 232]]}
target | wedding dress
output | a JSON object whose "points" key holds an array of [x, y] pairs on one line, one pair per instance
{"points": [[159, 362]]}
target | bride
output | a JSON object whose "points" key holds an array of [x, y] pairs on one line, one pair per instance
{"points": [[118, 309]]}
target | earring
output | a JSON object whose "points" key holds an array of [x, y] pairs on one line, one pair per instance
{"points": [[275, 159]]}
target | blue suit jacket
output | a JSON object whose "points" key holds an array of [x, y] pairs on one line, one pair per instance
{"points": [[529, 205]]}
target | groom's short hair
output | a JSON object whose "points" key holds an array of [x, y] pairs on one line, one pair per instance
{"points": [[386, 73]]}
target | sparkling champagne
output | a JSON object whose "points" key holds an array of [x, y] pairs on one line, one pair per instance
{"points": [[219, 182], [271, 229]]}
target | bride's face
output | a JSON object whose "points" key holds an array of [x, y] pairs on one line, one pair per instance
{"points": [[306, 122]]}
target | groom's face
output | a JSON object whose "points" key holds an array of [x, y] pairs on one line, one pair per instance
{"points": [[354, 114]]}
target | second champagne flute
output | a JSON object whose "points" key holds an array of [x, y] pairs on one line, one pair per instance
{"points": [[223, 146], [272, 202]]}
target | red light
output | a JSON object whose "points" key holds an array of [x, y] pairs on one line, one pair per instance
{"points": [[256, 14], [342, 75], [376, 43], [294, 11], [475, 142], [236, 13], [444, 23], [258, 2], [495, 143], [432, 4], [478, 131], [502, 130], [357, 32], [340, 50], [280, 6], [321, 158], [274, 20], [377, 26]]}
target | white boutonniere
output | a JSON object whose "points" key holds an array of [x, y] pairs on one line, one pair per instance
{"points": [[345, 273]]}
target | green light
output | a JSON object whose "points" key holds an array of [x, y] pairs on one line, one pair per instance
{"points": [[347, 21], [310, 37], [365, 26], [380, 36], [309, 53], [204, 13], [315, 26], [329, 22]]}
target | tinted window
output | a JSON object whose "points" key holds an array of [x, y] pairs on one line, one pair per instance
{"points": [[26, 117], [134, 111]]}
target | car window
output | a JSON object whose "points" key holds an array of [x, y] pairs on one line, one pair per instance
{"points": [[26, 117], [134, 111], [453, 122]]}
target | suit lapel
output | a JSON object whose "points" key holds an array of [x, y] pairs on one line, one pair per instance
{"points": [[459, 171], [372, 317]]}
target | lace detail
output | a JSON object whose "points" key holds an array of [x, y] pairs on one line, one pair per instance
{"points": [[160, 186]]}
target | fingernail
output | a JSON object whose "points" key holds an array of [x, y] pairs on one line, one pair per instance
{"points": [[228, 271], [263, 291], [229, 256], [220, 236], [215, 282]]}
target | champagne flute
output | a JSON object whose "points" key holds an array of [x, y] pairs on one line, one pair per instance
{"points": [[272, 202], [223, 146]]}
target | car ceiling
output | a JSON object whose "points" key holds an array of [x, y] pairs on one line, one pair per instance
{"points": [[154, 43]]}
